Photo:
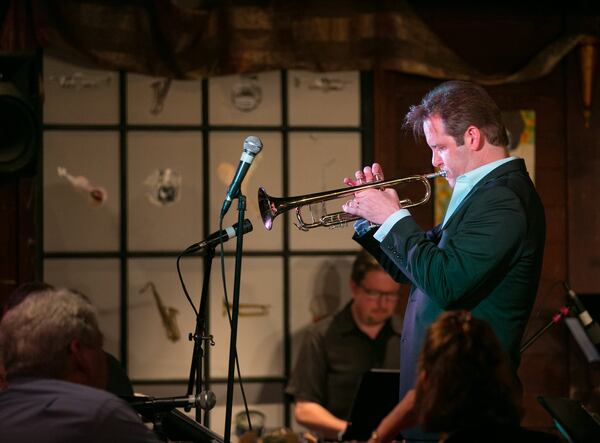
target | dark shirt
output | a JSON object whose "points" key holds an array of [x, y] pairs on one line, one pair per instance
{"points": [[46, 410], [334, 355], [117, 382]]}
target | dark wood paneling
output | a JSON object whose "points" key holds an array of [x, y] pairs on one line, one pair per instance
{"points": [[8, 239], [17, 233], [583, 172], [583, 178], [27, 236], [395, 148]]}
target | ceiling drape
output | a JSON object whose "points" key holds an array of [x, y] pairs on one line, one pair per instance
{"points": [[162, 38]]}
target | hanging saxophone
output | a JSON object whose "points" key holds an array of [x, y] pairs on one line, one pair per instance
{"points": [[167, 313]]}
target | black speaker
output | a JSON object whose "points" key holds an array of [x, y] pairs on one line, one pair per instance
{"points": [[20, 113]]}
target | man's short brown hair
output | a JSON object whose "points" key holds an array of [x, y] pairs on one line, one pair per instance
{"points": [[460, 104], [363, 263]]}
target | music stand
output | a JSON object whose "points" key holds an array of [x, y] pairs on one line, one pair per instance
{"points": [[376, 396], [572, 419], [179, 427]]}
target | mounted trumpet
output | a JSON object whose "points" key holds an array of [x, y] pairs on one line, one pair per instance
{"points": [[271, 207]]}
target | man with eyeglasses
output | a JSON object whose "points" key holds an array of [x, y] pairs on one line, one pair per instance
{"points": [[338, 349]]}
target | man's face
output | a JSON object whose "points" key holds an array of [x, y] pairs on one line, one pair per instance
{"points": [[446, 154], [375, 298]]}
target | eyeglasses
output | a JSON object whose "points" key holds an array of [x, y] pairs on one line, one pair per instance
{"points": [[375, 294]]}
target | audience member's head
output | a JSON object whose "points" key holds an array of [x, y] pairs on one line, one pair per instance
{"points": [[464, 379], [374, 293], [363, 263], [14, 298], [53, 334]]}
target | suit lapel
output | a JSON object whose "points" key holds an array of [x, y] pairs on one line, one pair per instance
{"points": [[508, 167]]}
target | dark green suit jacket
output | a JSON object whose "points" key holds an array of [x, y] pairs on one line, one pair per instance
{"points": [[486, 259]]}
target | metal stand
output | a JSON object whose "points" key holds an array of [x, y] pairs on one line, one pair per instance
{"points": [[234, 320], [563, 311], [198, 355]]}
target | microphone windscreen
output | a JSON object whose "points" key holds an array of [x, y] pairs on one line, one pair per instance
{"points": [[253, 144]]}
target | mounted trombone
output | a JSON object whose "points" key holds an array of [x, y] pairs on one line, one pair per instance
{"points": [[271, 207]]}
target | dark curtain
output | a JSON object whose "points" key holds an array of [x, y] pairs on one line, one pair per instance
{"points": [[163, 38]]}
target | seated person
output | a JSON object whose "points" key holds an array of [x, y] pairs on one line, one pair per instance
{"points": [[465, 389], [337, 350], [52, 352], [117, 380]]}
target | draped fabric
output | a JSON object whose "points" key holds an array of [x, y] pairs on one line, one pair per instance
{"points": [[163, 38]]}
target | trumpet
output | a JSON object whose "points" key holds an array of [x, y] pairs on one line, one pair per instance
{"points": [[249, 309], [271, 207]]}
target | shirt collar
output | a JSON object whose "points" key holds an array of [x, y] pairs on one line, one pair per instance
{"points": [[467, 181], [473, 177], [346, 320]]}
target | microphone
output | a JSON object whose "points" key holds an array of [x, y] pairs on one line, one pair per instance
{"points": [[252, 146], [205, 400], [590, 326], [225, 234]]}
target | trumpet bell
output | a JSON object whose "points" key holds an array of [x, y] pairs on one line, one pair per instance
{"points": [[268, 209]]}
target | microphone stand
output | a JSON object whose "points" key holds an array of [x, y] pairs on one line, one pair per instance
{"points": [[234, 320], [562, 312], [198, 337]]}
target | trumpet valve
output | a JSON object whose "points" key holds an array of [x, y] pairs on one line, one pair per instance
{"points": [[337, 220], [301, 227]]}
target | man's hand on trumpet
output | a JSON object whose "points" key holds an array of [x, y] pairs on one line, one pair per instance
{"points": [[374, 205]]}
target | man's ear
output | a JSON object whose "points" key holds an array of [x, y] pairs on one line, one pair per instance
{"points": [[79, 369], [76, 356], [474, 139]]}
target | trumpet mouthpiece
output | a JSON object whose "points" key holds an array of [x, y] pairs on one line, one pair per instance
{"points": [[440, 173]]}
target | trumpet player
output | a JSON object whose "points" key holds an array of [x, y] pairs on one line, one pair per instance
{"points": [[486, 255]]}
